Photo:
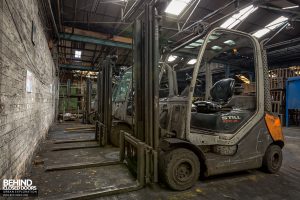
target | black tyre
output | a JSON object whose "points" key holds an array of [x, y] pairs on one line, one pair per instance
{"points": [[272, 159], [180, 168]]}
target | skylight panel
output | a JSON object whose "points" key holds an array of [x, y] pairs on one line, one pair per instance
{"points": [[271, 26], [195, 44], [261, 32], [189, 47], [277, 22], [216, 48], [192, 61], [171, 58], [77, 54], [229, 42], [237, 18], [200, 41], [175, 7]]}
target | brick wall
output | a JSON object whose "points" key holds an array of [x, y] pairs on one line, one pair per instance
{"points": [[24, 117]]}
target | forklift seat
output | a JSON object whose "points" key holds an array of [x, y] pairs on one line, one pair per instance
{"points": [[225, 113], [222, 90], [221, 93]]}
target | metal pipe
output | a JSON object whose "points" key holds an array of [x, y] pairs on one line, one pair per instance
{"points": [[285, 25], [53, 20], [279, 9], [168, 28], [206, 17], [129, 13], [95, 22], [190, 14], [283, 43], [74, 16], [200, 35], [185, 11], [59, 15]]}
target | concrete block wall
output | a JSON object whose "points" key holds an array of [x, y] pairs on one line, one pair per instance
{"points": [[25, 117]]}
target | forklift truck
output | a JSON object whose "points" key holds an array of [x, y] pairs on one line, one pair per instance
{"points": [[123, 105], [229, 130], [205, 124]]}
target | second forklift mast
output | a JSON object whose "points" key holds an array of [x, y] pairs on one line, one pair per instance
{"points": [[138, 150]]}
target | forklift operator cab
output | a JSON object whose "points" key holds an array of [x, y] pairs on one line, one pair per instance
{"points": [[223, 123]]}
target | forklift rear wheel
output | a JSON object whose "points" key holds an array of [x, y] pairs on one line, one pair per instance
{"points": [[180, 168], [272, 159]]}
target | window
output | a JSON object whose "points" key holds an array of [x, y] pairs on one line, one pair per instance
{"points": [[271, 26], [123, 87], [77, 54], [237, 18], [175, 7], [224, 97], [194, 44]]}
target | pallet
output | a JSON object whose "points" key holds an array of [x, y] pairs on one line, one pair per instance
{"points": [[277, 107], [281, 72], [278, 95], [277, 83]]}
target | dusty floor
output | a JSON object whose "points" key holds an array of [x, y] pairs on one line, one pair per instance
{"points": [[252, 184]]}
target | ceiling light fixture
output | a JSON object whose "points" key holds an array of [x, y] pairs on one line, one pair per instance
{"points": [[77, 54]]}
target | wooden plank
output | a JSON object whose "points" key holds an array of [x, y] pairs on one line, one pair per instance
{"points": [[98, 35]]}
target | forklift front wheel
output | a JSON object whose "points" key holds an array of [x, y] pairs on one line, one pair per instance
{"points": [[180, 168], [272, 159]]}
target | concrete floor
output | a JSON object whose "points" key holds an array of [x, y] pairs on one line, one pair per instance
{"points": [[251, 184]]}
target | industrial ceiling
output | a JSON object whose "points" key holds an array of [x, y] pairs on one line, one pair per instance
{"points": [[98, 28]]}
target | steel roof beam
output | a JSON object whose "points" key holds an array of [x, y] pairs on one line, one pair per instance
{"points": [[77, 67], [93, 40]]}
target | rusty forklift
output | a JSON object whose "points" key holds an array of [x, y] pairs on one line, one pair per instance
{"points": [[206, 123]]}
